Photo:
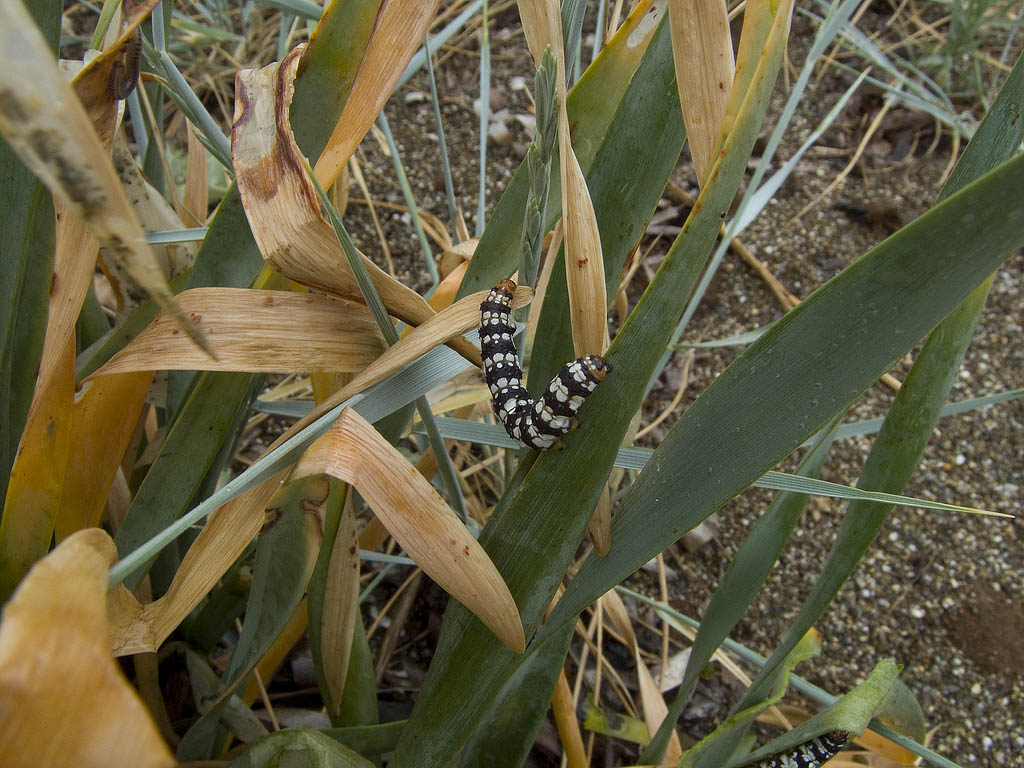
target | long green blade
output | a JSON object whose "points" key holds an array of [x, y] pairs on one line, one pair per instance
{"points": [[533, 534], [909, 423], [807, 368]]}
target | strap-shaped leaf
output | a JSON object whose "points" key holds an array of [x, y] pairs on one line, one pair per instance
{"points": [[908, 425], [534, 532]]}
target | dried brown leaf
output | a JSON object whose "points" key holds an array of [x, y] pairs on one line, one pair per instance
{"points": [[282, 205], [135, 627], [702, 49], [446, 324], [257, 331], [418, 518]]}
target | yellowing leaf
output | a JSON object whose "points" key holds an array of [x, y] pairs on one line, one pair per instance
{"points": [[418, 518], [63, 699], [105, 412]]}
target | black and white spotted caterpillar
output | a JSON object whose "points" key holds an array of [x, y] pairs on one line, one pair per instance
{"points": [[535, 423], [811, 754]]}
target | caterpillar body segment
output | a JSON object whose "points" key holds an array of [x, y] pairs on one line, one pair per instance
{"points": [[811, 754], [535, 423]]}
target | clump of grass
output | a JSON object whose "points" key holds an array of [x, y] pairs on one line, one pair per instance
{"points": [[151, 465]]}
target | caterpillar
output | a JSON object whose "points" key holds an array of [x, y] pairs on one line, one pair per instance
{"points": [[811, 754], [535, 423]]}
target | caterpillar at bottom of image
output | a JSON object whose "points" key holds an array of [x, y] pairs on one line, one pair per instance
{"points": [[811, 754], [537, 423]]}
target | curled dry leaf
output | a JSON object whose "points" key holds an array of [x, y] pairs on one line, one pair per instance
{"points": [[257, 331], [63, 699], [48, 128], [702, 50], [399, 30], [419, 520], [281, 202], [138, 628]]}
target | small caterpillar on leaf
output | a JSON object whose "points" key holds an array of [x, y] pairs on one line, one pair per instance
{"points": [[535, 423], [811, 754]]}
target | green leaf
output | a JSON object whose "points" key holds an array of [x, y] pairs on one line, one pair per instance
{"points": [[189, 450], [850, 714], [285, 555], [615, 725], [534, 532], [808, 647], [26, 268], [508, 731], [208, 689], [807, 368], [318, 584], [300, 748], [746, 575], [369, 740], [359, 699], [915, 410]]}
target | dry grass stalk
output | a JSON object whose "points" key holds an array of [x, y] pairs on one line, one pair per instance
{"points": [[702, 50], [357, 173], [257, 331], [282, 205], [398, 32], [418, 519], [568, 724], [63, 699], [196, 197]]}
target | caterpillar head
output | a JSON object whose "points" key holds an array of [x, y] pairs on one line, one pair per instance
{"points": [[597, 367]]}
